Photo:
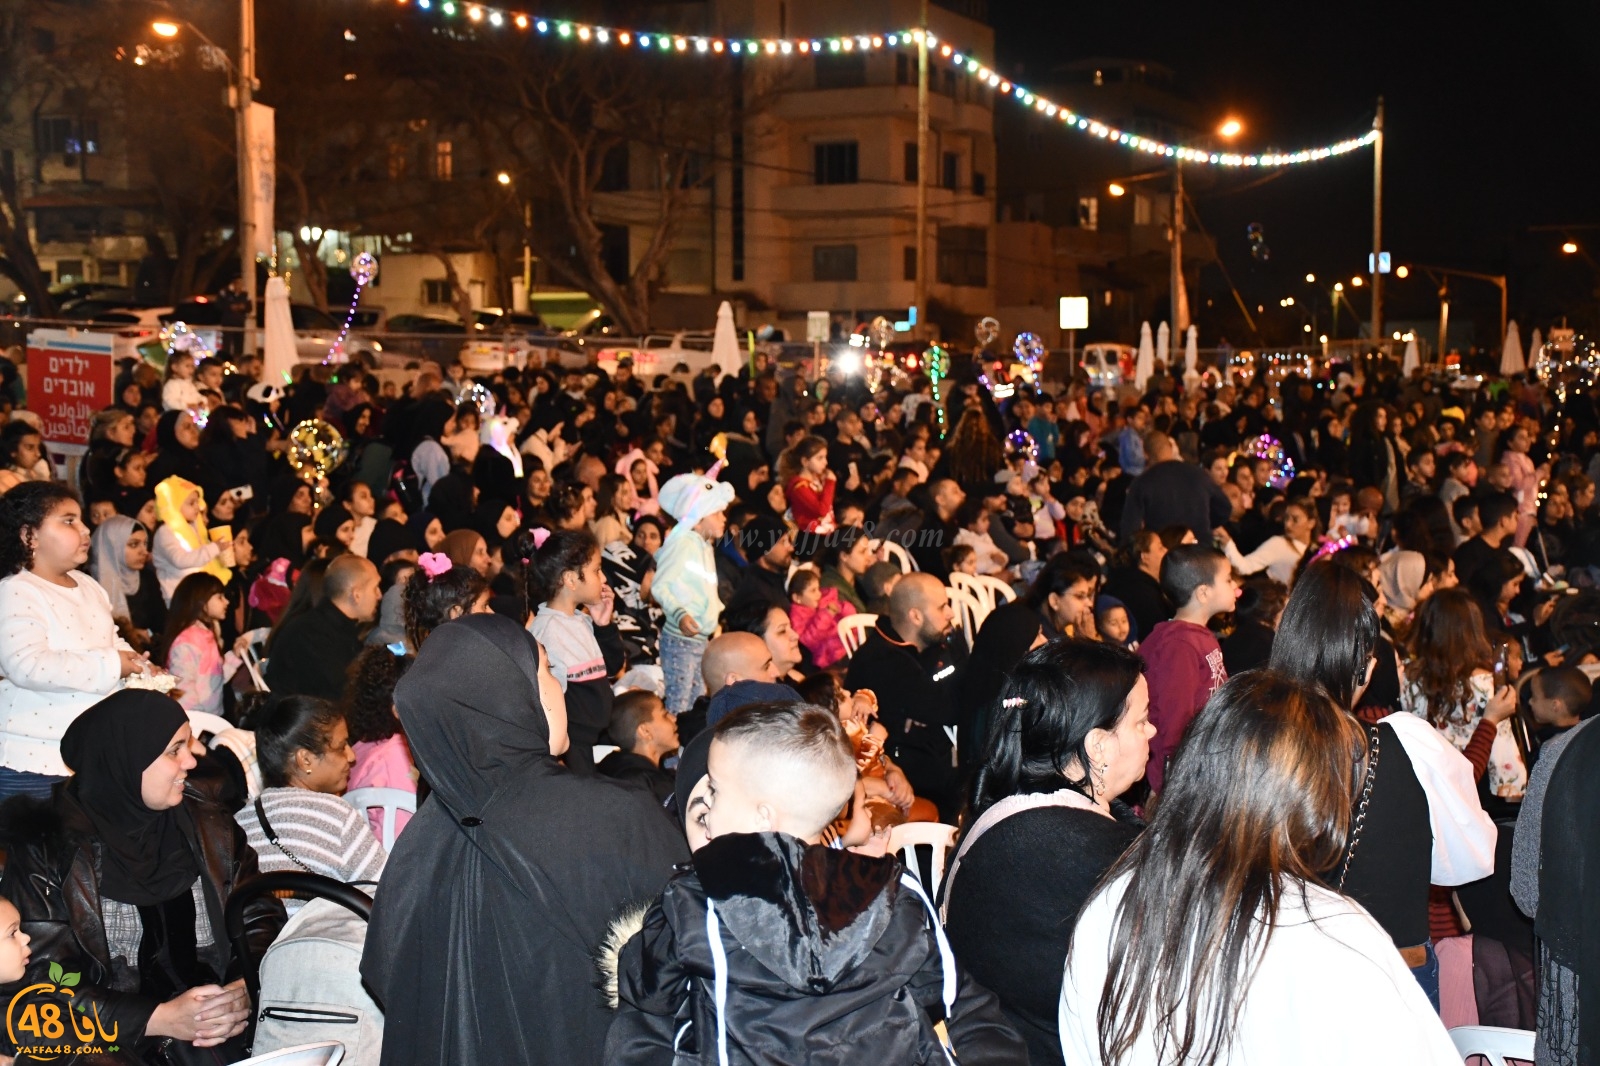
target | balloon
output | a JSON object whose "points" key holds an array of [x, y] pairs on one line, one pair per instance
{"points": [[987, 331], [482, 399], [364, 269], [1267, 447], [880, 331], [1021, 442], [1029, 350], [315, 449]]}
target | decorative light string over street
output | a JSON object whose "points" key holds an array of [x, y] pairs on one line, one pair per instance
{"points": [[685, 44]]}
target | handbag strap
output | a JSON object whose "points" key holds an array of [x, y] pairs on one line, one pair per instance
{"points": [[272, 837], [1361, 808]]}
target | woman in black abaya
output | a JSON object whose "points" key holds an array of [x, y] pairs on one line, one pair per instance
{"points": [[495, 900]]}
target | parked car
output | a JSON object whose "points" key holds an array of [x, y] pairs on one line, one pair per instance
{"points": [[424, 336], [661, 353], [1108, 365]]}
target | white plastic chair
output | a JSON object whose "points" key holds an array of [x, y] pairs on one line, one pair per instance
{"points": [[990, 592], [904, 839], [326, 1053], [256, 666], [389, 800], [969, 614], [897, 554], [599, 751], [1493, 1043], [242, 743], [853, 630]]}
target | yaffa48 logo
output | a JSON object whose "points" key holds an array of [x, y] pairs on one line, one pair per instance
{"points": [[46, 1021]]}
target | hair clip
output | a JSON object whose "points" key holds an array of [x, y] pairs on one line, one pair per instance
{"points": [[396, 648], [434, 563], [1011, 702], [540, 535]]}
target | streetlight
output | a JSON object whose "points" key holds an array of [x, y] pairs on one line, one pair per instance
{"points": [[244, 73], [1115, 190], [1402, 271], [1311, 279], [1230, 128], [1338, 286], [1356, 282], [1569, 247], [503, 178]]}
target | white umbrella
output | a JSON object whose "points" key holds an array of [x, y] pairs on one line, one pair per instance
{"points": [[1535, 342], [725, 341], [1511, 361], [1164, 346], [1146, 364], [1412, 359], [1191, 353], [278, 358]]}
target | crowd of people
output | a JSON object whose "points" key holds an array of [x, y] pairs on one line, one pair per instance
{"points": [[1257, 710]]}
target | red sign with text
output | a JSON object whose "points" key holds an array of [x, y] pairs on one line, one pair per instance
{"points": [[69, 379]]}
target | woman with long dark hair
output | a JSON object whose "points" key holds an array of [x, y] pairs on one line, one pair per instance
{"points": [[1329, 637], [1071, 732], [1450, 682], [1213, 940]]}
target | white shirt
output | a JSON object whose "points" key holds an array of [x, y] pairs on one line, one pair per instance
{"points": [[1329, 990], [58, 657], [175, 560], [1278, 556]]}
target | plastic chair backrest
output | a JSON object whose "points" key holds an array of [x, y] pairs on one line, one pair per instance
{"points": [[853, 630], [969, 614], [326, 1053], [254, 664], [999, 591], [904, 839], [242, 743], [600, 751], [897, 554], [390, 800], [1494, 1043]]}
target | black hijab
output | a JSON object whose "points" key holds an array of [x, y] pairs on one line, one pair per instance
{"points": [[1002, 642], [1568, 922], [148, 860], [451, 500], [519, 834]]}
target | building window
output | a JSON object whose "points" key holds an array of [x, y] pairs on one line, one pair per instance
{"points": [[841, 70], [980, 184], [614, 170], [1088, 212], [444, 167], [949, 83], [436, 292], [949, 171], [908, 260], [904, 72], [397, 162], [833, 262], [963, 255], [836, 163], [1141, 210], [69, 270], [911, 161]]}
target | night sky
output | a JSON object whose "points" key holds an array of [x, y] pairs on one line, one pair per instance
{"points": [[1492, 121]]}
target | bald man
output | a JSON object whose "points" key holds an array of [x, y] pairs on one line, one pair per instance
{"points": [[736, 657], [1172, 492], [914, 667], [312, 650]]}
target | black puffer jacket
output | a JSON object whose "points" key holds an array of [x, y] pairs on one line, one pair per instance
{"points": [[830, 958], [52, 876]]}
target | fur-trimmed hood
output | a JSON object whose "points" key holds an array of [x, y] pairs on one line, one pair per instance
{"points": [[624, 927]]}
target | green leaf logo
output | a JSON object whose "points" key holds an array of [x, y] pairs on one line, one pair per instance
{"points": [[55, 972], [69, 980]]}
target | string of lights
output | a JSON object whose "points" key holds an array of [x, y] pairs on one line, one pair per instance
{"points": [[689, 44]]}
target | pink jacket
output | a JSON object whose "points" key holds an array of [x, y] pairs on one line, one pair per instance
{"points": [[819, 626], [201, 668]]}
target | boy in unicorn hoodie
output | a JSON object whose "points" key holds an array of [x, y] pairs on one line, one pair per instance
{"points": [[686, 580]]}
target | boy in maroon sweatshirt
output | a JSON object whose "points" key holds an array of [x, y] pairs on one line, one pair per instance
{"points": [[1183, 661]]}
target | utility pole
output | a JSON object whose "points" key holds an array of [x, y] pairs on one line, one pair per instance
{"points": [[242, 98], [1180, 298], [1377, 226], [1444, 317], [920, 296]]}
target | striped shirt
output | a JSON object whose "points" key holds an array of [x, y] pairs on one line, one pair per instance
{"points": [[569, 640], [324, 832]]}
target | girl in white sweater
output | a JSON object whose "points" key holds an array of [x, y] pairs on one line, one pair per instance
{"points": [[59, 648]]}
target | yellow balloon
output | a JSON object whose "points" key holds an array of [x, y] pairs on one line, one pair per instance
{"points": [[315, 449]]}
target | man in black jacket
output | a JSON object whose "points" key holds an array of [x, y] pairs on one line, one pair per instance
{"points": [[939, 527], [1172, 492], [311, 652], [914, 669], [768, 544]]}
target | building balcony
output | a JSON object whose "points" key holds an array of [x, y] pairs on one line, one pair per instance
{"points": [[876, 101], [879, 199]]}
